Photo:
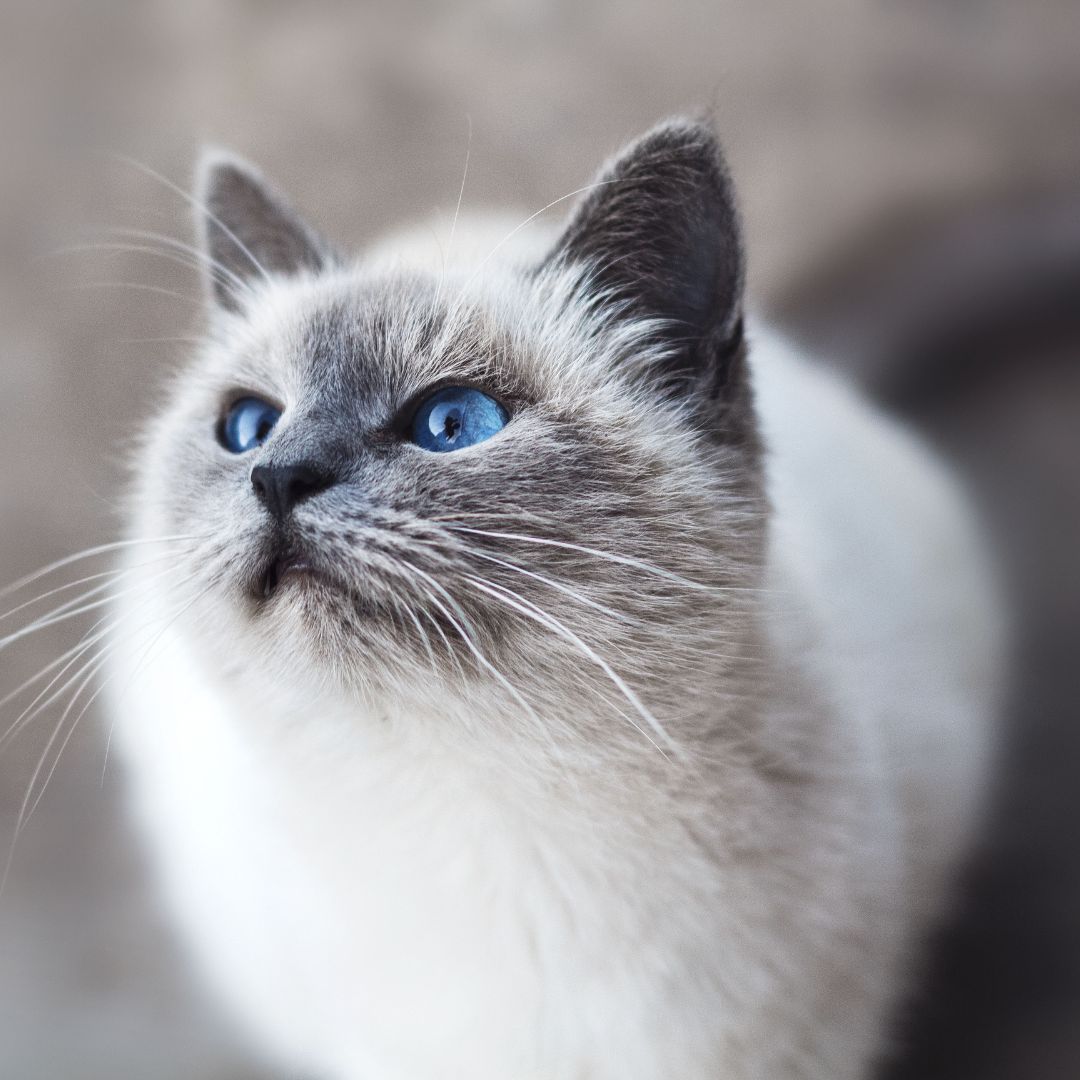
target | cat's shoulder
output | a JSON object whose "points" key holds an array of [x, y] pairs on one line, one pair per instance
{"points": [[878, 539], [875, 505]]}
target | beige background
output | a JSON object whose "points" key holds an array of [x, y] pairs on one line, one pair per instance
{"points": [[832, 111]]}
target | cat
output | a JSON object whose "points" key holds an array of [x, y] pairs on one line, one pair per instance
{"points": [[555, 676]]}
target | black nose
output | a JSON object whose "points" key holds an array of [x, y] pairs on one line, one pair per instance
{"points": [[280, 487]]}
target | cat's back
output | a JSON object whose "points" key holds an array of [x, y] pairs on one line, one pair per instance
{"points": [[874, 535]]}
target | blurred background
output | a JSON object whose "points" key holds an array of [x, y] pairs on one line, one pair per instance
{"points": [[910, 176]]}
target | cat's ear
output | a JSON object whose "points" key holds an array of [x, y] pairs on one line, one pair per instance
{"points": [[248, 232], [658, 237]]}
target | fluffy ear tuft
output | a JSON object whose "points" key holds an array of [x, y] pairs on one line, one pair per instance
{"points": [[659, 234], [248, 231]]}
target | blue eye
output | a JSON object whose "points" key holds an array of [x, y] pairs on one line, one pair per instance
{"points": [[248, 424], [456, 417]]}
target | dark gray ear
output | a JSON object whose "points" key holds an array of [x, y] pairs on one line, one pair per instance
{"points": [[248, 231], [660, 236]]}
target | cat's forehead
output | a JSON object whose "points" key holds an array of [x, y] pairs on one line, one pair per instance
{"points": [[385, 337]]}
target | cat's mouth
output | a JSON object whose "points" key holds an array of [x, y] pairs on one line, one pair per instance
{"points": [[290, 568], [287, 567]]}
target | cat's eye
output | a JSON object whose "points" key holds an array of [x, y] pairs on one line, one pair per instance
{"points": [[456, 417], [248, 424]]}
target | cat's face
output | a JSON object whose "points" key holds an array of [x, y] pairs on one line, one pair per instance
{"points": [[528, 488]]}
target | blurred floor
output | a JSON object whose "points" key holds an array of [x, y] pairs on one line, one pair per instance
{"points": [[832, 112]]}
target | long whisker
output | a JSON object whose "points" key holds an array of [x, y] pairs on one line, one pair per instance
{"points": [[89, 671], [203, 257], [140, 661], [24, 813], [470, 644], [201, 207], [137, 286], [44, 698], [100, 549], [114, 574], [624, 560], [145, 249], [422, 634], [703, 648], [70, 610], [457, 214], [71, 613], [521, 515], [558, 585], [74, 651], [90, 638], [439, 588], [532, 217], [531, 611], [450, 650]]}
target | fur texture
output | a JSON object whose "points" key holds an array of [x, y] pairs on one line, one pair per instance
{"points": [[638, 741]]}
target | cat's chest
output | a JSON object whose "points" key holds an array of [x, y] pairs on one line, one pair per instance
{"points": [[379, 884]]}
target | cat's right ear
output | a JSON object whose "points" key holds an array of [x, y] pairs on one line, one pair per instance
{"points": [[657, 239], [247, 231]]}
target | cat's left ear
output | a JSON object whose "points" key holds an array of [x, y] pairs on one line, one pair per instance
{"points": [[657, 237], [248, 232]]}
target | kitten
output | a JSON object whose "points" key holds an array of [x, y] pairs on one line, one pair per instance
{"points": [[556, 680]]}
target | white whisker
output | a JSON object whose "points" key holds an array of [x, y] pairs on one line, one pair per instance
{"points": [[470, 644], [143, 658], [624, 560], [201, 207], [457, 213], [86, 673], [44, 699], [82, 609], [203, 258], [145, 249], [137, 286], [113, 575], [423, 635], [90, 638], [100, 549], [531, 611], [558, 585]]}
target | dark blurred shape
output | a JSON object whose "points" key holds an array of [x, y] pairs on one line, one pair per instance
{"points": [[943, 294], [965, 319]]}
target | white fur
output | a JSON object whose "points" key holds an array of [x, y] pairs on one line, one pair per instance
{"points": [[378, 906]]}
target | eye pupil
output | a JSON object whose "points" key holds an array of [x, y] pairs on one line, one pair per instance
{"points": [[451, 426], [456, 417]]}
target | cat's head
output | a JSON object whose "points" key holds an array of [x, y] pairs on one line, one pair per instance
{"points": [[524, 490]]}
